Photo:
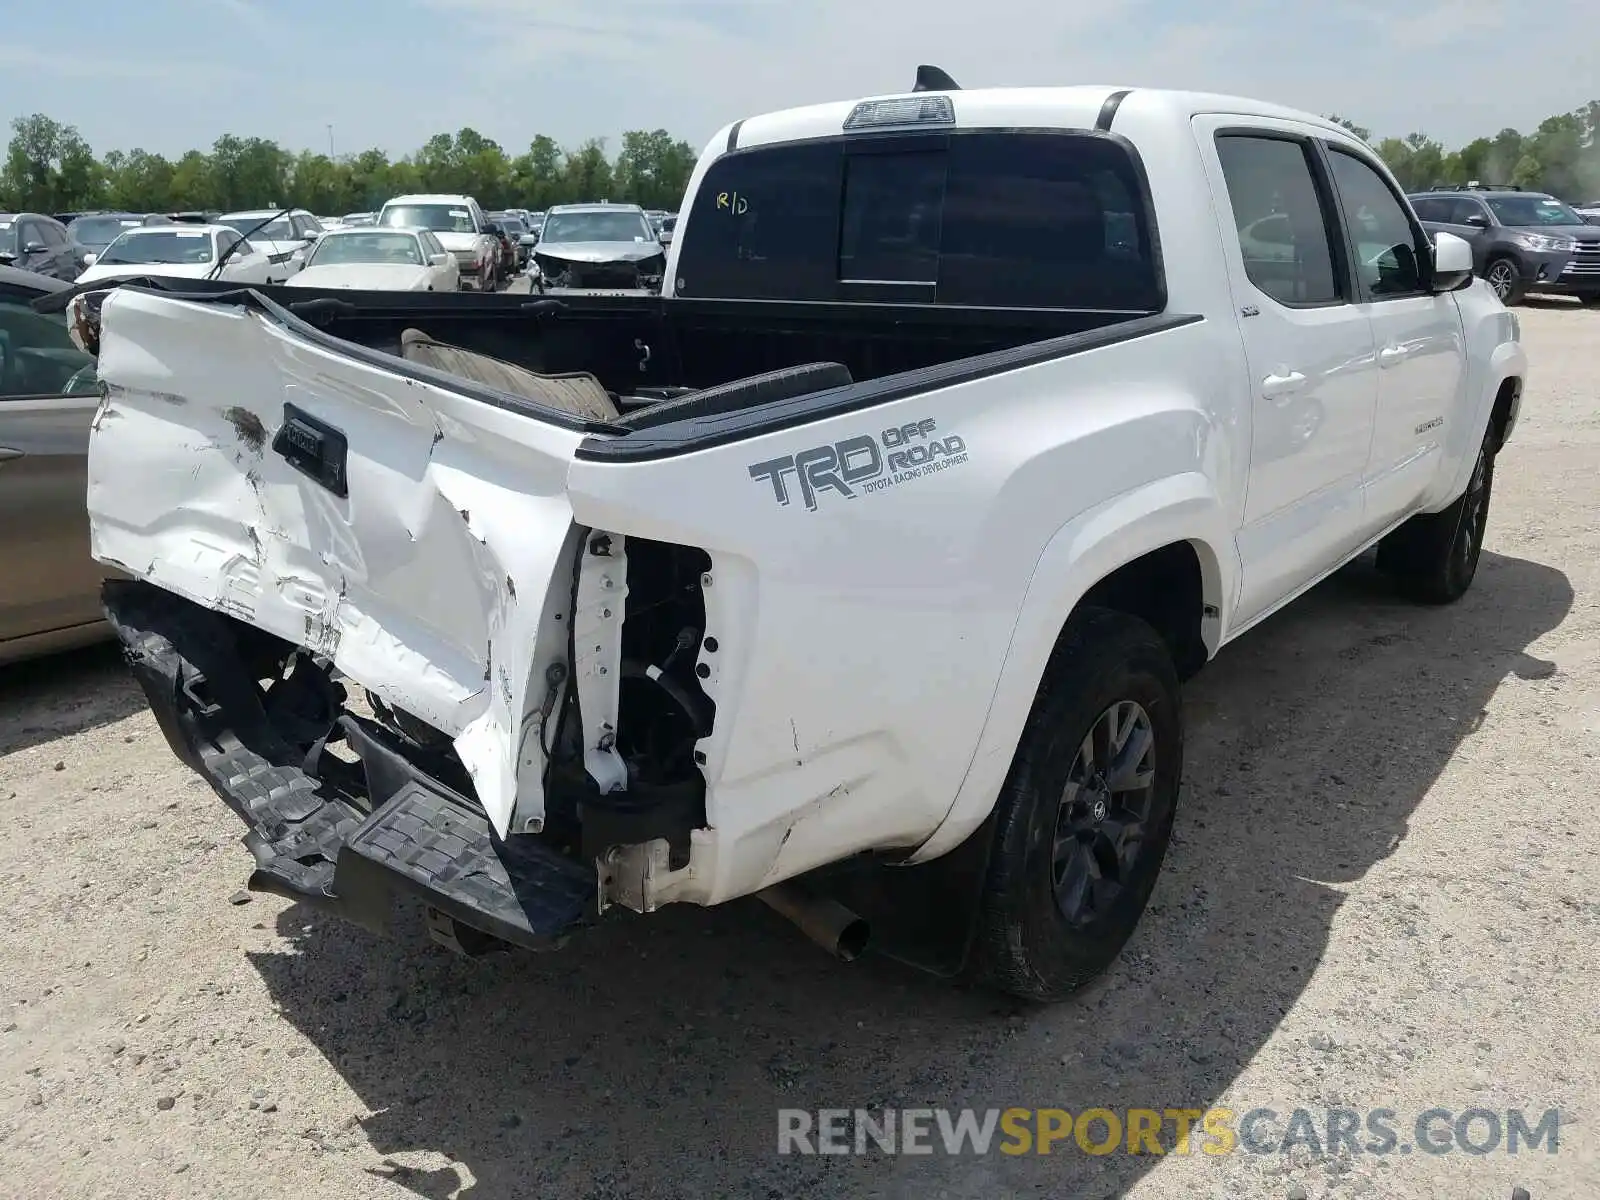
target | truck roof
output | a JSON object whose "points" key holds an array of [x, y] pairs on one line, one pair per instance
{"points": [[595, 207], [427, 198], [1075, 107], [252, 214]]}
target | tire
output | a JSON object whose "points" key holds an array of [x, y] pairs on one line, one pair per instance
{"points": [[1433, 557], [1045, 925], [1505, 277], [1590, 301]]}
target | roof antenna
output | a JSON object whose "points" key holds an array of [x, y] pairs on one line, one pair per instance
{"points": [[933, 79]]}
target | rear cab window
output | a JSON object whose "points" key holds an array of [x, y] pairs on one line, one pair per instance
{"points": [[1284, 221], [1034, 219]]}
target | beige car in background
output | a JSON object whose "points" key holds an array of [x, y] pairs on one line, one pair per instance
{"points": [[49, 585]]}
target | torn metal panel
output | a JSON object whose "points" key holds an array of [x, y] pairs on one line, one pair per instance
{"points": [[597, 657], [426, 583]]}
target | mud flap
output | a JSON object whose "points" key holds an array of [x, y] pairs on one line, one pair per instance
{"points": [[925, 915]]}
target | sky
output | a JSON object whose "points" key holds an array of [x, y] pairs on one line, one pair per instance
{"points": [[172, 75]]}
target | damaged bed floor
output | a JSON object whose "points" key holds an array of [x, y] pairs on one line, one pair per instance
{"points": [[1382, 893]]}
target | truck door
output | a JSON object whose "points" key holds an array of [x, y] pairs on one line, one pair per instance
{"points": [[1310, 351], [1418, 334]]}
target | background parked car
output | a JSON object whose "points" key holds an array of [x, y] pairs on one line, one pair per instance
{"points": [[95, 231], [380, 260], [37, 243], [183, 251], [605, 246], [461, 227], [506, 254], [283, 239], [515, 230], [50, 591], [1522, 242]]}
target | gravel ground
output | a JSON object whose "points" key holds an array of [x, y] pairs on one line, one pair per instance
{"points": [[1381, 894]]}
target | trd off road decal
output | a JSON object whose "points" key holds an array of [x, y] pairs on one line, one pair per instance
{"points": [[862, 464]]}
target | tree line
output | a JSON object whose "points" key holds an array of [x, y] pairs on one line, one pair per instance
{"points": [[49, 167], [1561, 156]]}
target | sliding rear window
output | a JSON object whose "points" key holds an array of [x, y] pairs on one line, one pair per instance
{"points": [[990, 218]]}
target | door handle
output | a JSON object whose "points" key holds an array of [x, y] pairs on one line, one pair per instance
{"points": [[7, 454], [1274, 387], [1391, 356]]}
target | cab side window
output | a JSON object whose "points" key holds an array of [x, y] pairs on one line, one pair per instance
{"points": [[1388, 252], [37, 356], [1282, 221]]}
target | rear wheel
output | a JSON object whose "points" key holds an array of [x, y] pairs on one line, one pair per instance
{"points": [[1504, 276], [1433, 557], [1591, 301], [1085, 817]]}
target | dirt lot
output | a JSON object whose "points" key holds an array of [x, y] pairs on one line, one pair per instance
{"points": [[1382, 894]]}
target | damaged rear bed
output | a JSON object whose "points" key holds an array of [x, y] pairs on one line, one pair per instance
{"points": [[529, 646]]}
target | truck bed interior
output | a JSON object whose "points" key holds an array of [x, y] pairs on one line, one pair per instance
{"points": [[646, 352]]}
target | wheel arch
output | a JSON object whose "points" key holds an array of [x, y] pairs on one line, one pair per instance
{"points": [[1170, 533], [1495, 253]]}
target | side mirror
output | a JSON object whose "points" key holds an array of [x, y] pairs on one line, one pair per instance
{"points": [[1477, 221], [34, 248], [1452, 262], [90, 259], [7, 257], [438, 260]]}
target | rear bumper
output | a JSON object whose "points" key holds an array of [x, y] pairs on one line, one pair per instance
{"points": [[346, 838]]}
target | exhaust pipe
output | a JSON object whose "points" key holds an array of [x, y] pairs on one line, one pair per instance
{"points": [[828, 923]]}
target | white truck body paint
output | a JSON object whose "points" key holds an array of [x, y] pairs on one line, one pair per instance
{"points": [[878, 654]]}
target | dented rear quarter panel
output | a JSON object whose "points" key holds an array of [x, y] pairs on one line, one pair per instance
{"points": [[863, 639]]}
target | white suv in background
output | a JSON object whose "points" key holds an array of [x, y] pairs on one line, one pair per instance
{"points": [[461, 227]]}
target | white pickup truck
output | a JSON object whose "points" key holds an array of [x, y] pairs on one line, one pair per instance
{"points": [[858, 570]]}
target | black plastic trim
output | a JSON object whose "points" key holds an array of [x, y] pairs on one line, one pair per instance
{"points": [[254, 298], [1108, 110], [426, 374], [702, 433], [733, 135], [316, 449]]}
